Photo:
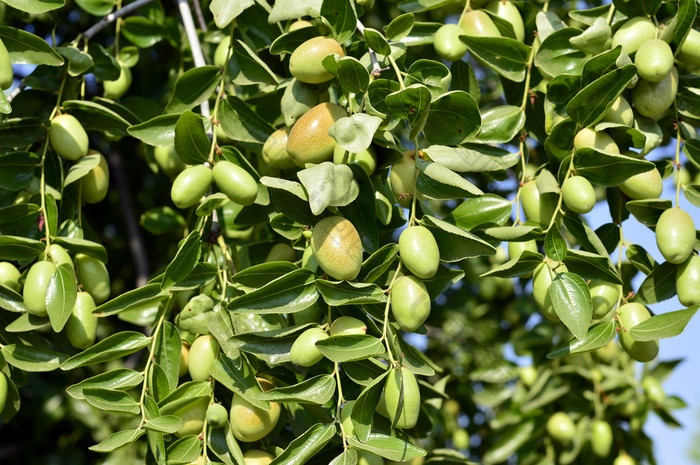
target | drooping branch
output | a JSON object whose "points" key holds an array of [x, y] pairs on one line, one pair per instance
{"points": [[199, 15], [109, 19]]}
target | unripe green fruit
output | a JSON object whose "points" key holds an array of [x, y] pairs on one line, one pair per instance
{"points": [[601, 438], [479, 24], [193, 415], [608, 353], [95, 184], [506, 10], [304, 352], [306, 65], [578, 194], [274, 152], [633, 34], [403, 179], [190, 185], [299, 24], [653, 98], [631, 315], [647, 185], [57, 255], [541, 282], [366, 159], [624, 459], [308, 315], [538, 208], [528, 375], [337, 247], [184, 359], [36, 285], [3, 391], [604, 296], [675, 235], [654, 60], [561, 428], [308, 141], [217, 415], [221, 52], [587, 137], [257, 457], [410, 302], [81, 327], [6, 73], [688, 281], [689, 51], [67, 137], [281, 252], [203, 352], [653, 390], [115, 89], [93, 277], [515, 249], [168, 160], [447, 43], [9, 276], [620, 112], [393, 388], [235, 182], [419, 251], [368, 458], [460, 439], [348, 326], [250, 423]]}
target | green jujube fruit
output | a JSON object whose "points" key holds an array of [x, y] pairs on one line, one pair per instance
{"points": [[299, 24], [604, 296], [9, 276], [304, 352], [630, 315], [306, 61], [312, 314], [689, 51], [506, 10], [6, 73], [620, 112], [348, 326], [393, 388], [541, 282], [653, 98], [308, 141], [281, 252], [447, 43], [538, 208], [221, 51], [81, 327], [115, 89], [250, 423], [168, 160], [675, 235], [68, 138], [633, 34], [419, 251], [235, 182], [653, 390], [601, 438], [402, 179], [36, 285], [203, 352], [184, 359], [190, 185], [647, 185], [600, 140], [257, 457], [93, 276], [624, 459], [654, 60], [193, 415], [217, 415], [367, 159], [479, 24], [58, 255], [561, 428], [274, 151], [337, 247], [3, 391], [515, 249], [688, 281], [578, 194], [410, 302], [95, 184]]}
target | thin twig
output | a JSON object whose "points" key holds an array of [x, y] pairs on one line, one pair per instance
{"points": [[16, 92], [376, 69], [197, 55], [107, 20], [199, 15]]}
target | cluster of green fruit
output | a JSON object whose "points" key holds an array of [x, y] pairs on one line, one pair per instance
{"points": [[195, 181]]}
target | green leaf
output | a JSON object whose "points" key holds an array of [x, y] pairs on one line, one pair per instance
{"points": [[598, 336], [142, 31], [378, 263], [509, 441], [168, 424], [149, 293], [26, 48], [245, 67], [640, 8], [682, 22], [400, 26], [111, 400], [18, 169], [430, 73], [692, 193], [186, 394], [591, 266], [222, 442], [572, 303], [365, 406], [593, 101], [97, 117], [522, 265], [27, 322], [663, 326], [159, 131], [487, 209], [392, 448], [35, 6], [411, 103], [293, 9], [185, 260], [191, 141], [290, 293], [79, 62], [607, 169], [316, 390], [81, 168], [76, 245], [508, 57], [377, 42], [648, 211], [337, 293], [120, 378], [19, 132], [660, 285], [453, 117], [33, 359], [289, 41], [238, 377], [118, 440], [304, 447], [225, 11], [259, 275], [500, 124], [353, 76], [557, 56], [472, 157], [192, 88], [347, 348], [19, 248], [15, 213], [11, 300], [456, 244], [354, 133], [239, 122], [111, 348], [341, 16], [185, 450], [555, 246], [439, 182], [96, 7], [463, 78], [61, 296], [328, 185], [347, 457]]}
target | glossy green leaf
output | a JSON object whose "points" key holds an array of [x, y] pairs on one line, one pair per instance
{"points": [[158, 131], [598, 336], [61, 296], [400, 26], [353, 76], [436, 181], [500, 124], [328, 184], [87, 247], [81, 168], [509, 441], [30, 358], [455, 244], [377, 42], [607, 169], [557, 56], [337, 293], [365, 406], [15, 213], [185, 260], [472, 157], [648, 211], [168, 424], [392, 448], [522, 265], [19, 248], [192, 88], [453, 117], [508, 57], [191, 141], [660, 285], [225, 11], [26, 48], [411, 103], [347, 348], [572, 303], [347, 457], [245, 67], [120, 378], [316, 390], [111, 348], [593, 101], [487, 209], [341, 16], [302, 448], [118, 440], [18, 168], [290, 293], [554, 245], [664, 325], [111, 400], [591, 266]]}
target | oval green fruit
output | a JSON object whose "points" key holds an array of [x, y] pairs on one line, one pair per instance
{"points": [[402, 179], [600, 140], [274, 151], [202, 354], [217, 415], [308, 141], [528, 375], [515, 249], [6, 73], [68, 138], [653, 390], [561, 428], [604, 296], [184, 359], [337, 247], [168, 160], [93, 277], [250, 423], [689, 51], [299, 24], [306, 61], [653, 98], [312, 314], [675, 235], [368, 458], [9, 276], [538, 208], [348, 326], [688, 281], [3, 391], [221, 52], [620, 112], [633, 34], [95, 184], [601, 438], [58, 255], [304, 352], [190, 185], [460, 439], [630, 315], [654, 60], [624, 459], [447, 43], [479, 24], [419, 251], [193, 415], [115, 89], [578, 194], [81, 327], [35, 286], [400, 382], [235, 182], [367, 159], [541, 282], [257, 457], [410, 302], [281, 252], [647, 185], [505, 9]]}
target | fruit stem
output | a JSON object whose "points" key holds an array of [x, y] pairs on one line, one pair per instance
{"points": [[559, 202], [467, 7], [385, 339], [196, 49], [341, 400], [117, 31], [677, 165], [416, 152], [611, 13], [397, 71]]}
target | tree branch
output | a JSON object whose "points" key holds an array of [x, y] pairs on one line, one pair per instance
{"points": [[376, 69], [191, 31], [107, 20], [199, 15]]}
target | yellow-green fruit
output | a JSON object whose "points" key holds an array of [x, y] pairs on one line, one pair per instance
{"points": [[689, 52], [168, 160], [675, 235], [653, 98], [688, 281], [190, 185], [308, 141], [6, 74], [587, 137], [281, 252], [624, 459], [620, 112], [368, 458], [419, 251], [312, 314], [654, 60], [561, 428], [57, 255], [304, 352], [541, 282], [515, 249], [633, 34], [528, 375], [36, 285], [184, 359], [93, 277], [647, 185], [203, 352], [460, 439], [81, 327], [95, 184], [115, 89], [578, 194], [3, 391], [299, 24], [67, 137], [653, 390], [393, 389], [631, 315], [601, 438], [410, 302], [608, 353], [217, 415], [257, 457], [403, 179], [250, 423], [274, 152], [337, 247], [306, 64], [9, 276], [367, 159], [193, 415], [348, 326], [235, 182], [221, 52], [506, 10], [604, 296], [479, 24], [447, 43], [537, 208]]}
